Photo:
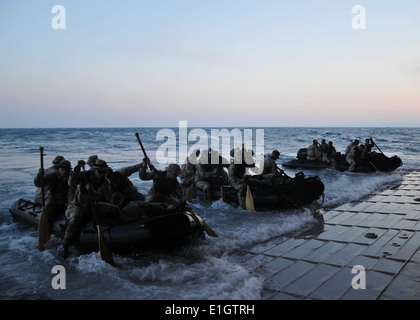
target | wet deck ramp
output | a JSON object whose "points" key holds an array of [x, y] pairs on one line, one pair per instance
{"points": [[379, 235]]}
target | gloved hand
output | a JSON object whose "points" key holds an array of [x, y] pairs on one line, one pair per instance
{"points": [[171, 207]]}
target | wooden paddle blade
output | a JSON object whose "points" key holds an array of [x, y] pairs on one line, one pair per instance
{"points": [[209, 230], [335, 165], [190, 192], [374, 167], [249, 201], [106, 255], [43, 231], [222, 192]]}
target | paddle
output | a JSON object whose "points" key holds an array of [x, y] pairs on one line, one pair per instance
{"points": [[372, 165], [249, 200], [106, 255], [333, 163], [144, 152], [207, 228], [43, 224], [377, 147], [281, 171], [190, 192]]}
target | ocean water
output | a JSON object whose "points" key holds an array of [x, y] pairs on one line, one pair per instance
{"points": [[213, 268]]}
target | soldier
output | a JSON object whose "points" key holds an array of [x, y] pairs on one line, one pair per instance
{"points": [[38, 193], [74, 178], [351, 157], [369, 144], [314, 151], [331, 156], [94, 186], [92, 160], [352, 144], [56, 182], [323, 146], [188, 169], [204, 172], [166, 188], [123, 190], [271, 171], [329, 153], [237, 172]]}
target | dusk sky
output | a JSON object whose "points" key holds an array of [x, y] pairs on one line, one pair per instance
{"points": [[213, 63]]}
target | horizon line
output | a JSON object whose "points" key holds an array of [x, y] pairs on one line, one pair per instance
{"points": [[209, 127]]}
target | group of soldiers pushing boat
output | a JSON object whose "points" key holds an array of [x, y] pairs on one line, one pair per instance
{"points": [[204, 170], [73, 190], [355, 153]]}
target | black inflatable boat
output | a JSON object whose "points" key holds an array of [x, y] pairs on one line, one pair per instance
{"points": [[151, 228], [289, 194], [378, 162]]}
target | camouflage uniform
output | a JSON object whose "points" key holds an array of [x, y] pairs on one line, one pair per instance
{"points": [[75, 177], [350, 146], [328, 153], [351, 158], [80, 207], [123, 190], [56, 182], [369, 144], [323, 148], [332, 156], [210, 172], [164, 189], [202, 177], [237, 181], [238, 171], [38, 192], [188, 169], [314, 152], [271, 171], [187, 174]]}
